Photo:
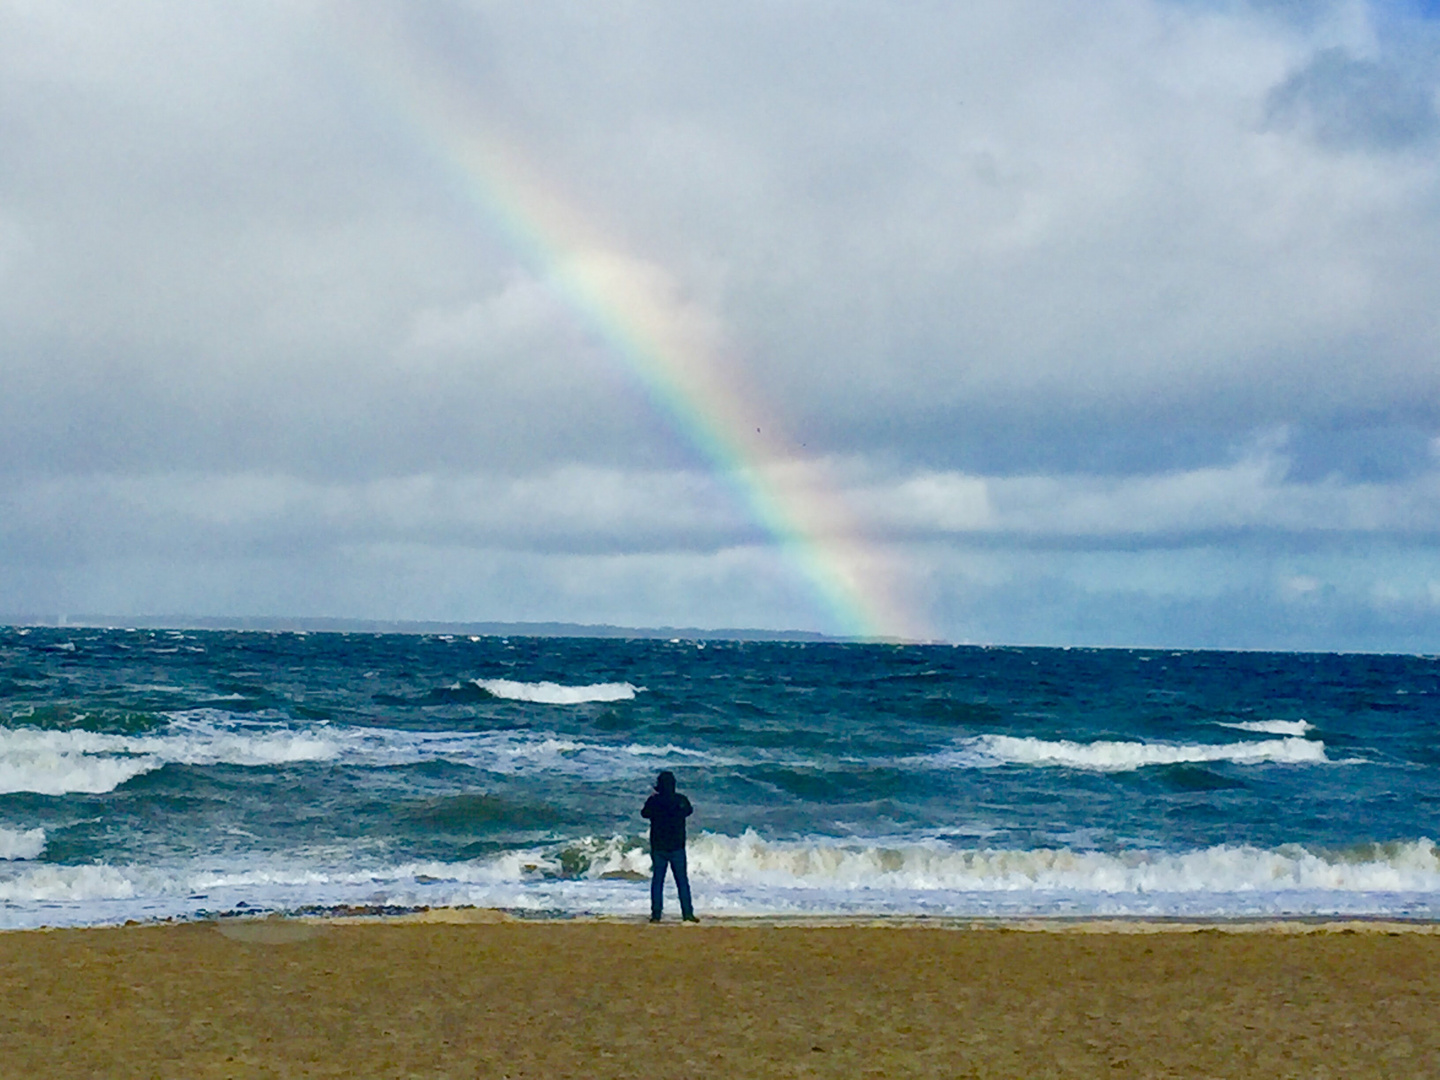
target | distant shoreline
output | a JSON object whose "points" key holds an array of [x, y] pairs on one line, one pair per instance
{"points": [[323, 625], [270, 624]]}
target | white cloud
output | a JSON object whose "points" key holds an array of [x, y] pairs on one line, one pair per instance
{"points": [[1251, 495], [510, 319], [1300, 586]]}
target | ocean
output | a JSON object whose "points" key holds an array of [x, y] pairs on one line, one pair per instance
{"points": [[154, 774]]}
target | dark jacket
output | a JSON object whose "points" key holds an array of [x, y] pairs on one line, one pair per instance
{"points": [[667, 811]]}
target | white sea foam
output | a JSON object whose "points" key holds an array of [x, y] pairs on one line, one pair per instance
{"points": [[58, 762], [44, 767], [1401, 867], [514, 753], [1297, 728], [52, 762], [549, 693], [21, 845], [750, 875], [989, 751]]}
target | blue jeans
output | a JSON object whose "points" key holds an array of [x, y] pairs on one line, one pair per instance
{"points": [[676, 861]]}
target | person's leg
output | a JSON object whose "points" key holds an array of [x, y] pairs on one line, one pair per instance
{"points": [[682, 883], [658, 862]]}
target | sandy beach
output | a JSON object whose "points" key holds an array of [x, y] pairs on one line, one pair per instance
{"points": [[467, 994]]}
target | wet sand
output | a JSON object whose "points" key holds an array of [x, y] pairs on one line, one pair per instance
{"points": [[433, 998]]}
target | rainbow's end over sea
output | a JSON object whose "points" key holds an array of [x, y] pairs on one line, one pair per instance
{"points": [[675, 352]]}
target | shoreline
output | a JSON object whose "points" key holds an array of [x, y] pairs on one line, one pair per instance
{"points": [[1077, 924], [1048, 924]]}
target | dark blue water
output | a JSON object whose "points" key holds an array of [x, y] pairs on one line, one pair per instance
{"points": [[153, 773]]}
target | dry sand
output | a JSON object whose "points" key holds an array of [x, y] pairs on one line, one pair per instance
{"points": [[442, 997]]}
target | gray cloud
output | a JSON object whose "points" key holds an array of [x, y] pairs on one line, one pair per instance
{"points": [[1031, 278], [583, 511], [570, 510]]}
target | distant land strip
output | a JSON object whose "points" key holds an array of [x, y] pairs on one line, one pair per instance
{"points": [[385, 626]]}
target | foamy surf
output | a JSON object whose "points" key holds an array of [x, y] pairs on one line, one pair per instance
{"points": [[824, 864], [990, 751], [16, 845], [58, 762], [50, 762], [549, 693], [515, 753], [749, 875]]}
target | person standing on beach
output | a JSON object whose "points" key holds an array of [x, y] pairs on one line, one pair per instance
{"points": [[667, 810]]}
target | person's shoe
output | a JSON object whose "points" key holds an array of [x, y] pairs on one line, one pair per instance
{"points": [[654, 918], [692, 918]]}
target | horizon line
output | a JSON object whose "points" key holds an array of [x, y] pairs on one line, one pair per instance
{"points": [[482, 628]]}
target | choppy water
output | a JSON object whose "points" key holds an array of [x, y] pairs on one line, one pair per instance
{"points": [[149, 773]]}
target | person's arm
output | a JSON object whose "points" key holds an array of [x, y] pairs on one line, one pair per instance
{"points": [[685, 808], [645, 811]]}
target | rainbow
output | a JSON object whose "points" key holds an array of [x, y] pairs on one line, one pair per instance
{"points": [[674, 351]]}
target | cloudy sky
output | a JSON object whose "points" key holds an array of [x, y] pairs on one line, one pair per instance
{"points": [[1084, 321]]}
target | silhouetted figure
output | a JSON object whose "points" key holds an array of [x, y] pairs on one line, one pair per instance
{"points": [[667, 810]]}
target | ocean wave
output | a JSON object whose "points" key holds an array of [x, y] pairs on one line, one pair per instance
{"points": [[53, 762], [748, 874], [549, 693], [1412, 866], [515, 753], [1297, 728], [751, 862], [990, 751], [50, 762], [15, 845], [755, 865], [39, 766]]}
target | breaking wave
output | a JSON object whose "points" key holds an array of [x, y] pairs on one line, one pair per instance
{"points": [[58, 762], [50, 762], [749, 875], [989, 751], [549, 693], [54, 762], [1399, 867], [513, 753], [21, 845]]}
